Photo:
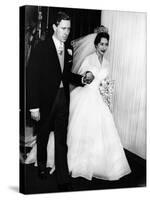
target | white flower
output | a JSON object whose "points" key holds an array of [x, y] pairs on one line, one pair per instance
{"points": [[69, 52], [106, 90]]}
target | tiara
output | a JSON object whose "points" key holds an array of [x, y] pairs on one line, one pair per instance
{"points": [[101, 29]]}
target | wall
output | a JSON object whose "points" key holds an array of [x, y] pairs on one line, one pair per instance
{"points": [[127, 55]]}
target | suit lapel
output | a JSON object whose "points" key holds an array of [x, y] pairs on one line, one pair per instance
{"points": [[55, 56], [53, 53]]}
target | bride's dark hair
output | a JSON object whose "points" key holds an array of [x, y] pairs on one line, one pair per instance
{"points": [[99, 36]]}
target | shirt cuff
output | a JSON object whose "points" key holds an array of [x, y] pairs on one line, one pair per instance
{"points": [[34, 110], [82, 80]]}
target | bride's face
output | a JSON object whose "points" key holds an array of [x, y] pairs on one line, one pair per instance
{"points": [[102, 46]]}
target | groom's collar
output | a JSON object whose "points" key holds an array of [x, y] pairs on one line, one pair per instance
{"points": [[57, 42]]}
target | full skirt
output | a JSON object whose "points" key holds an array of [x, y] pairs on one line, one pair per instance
{"points": [[94, 146]]}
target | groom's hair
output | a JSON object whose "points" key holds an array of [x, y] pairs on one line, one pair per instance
{"points": [[99, 36], [61, 16]]}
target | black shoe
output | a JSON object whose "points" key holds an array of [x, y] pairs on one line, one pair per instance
{"points": [[65, 187], [42, 174]]}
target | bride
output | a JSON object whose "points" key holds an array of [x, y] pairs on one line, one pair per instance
{"points": [[94, 146]]}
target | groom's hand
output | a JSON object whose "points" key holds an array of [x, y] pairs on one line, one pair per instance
{"points": [[88, 77], [35, 115]]}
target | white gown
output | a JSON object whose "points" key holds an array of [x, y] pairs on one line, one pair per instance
{"points": [[94, 146]]}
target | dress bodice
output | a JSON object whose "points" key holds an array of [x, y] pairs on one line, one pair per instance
{"points": [[99, 75], [100, 71]]}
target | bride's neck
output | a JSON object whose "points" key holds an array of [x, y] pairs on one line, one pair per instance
{"points": [[100, 57]]}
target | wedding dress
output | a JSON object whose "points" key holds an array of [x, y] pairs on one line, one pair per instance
{"points": [[94, 146]]}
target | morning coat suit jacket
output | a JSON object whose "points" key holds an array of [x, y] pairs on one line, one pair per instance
{"points": [[44, 75]]}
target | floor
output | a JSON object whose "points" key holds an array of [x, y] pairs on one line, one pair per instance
{"points": [[32, 184]]}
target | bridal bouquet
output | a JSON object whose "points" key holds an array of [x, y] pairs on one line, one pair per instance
{"points": [[106, 89]]}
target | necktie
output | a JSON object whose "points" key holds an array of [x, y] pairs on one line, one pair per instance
{"points": [[60, 52], [61, 48]]}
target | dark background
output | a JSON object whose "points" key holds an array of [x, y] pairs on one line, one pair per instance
{"points": [[84, 21]]}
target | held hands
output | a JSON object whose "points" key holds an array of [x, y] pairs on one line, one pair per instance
{"points": [[88, 77]]}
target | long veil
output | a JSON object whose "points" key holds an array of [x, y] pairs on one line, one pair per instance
{"points": [[83, 47]]}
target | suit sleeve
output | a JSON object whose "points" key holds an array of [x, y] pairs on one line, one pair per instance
{"points": [[75, 79], [33, 79]]}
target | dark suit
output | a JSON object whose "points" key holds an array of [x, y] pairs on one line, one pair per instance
{"points": [[43, 81]]}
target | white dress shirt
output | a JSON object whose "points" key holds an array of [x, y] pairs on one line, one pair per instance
{"points": [[58, 44]]}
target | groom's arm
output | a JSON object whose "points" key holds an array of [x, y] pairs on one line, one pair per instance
{"points": [[33, 79], [81, 80], [76, 79]]}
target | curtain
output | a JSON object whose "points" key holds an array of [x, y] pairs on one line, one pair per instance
{"points": [[127, 55]]}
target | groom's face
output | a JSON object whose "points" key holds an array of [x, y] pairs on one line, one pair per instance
{"points": [[62, 30]]}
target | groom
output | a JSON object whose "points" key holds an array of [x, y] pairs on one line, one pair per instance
{"points": [[48, 78]]}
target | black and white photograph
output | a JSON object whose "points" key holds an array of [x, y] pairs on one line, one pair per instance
{"points": [[82, 99], [74, 106]]}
